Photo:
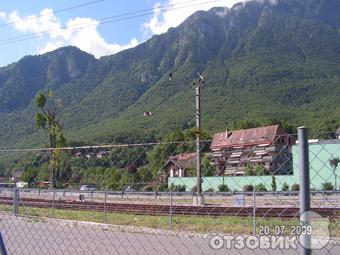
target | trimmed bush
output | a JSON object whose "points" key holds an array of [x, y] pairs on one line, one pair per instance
{"points": [[248, 188], [295, 187], [327, 186], [210, 190], [223, 188]]}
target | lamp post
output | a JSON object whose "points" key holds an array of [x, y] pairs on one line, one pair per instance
{"points": [[198, 83]]}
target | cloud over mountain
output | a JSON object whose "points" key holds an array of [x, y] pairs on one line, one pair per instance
{"points": [[52, 34]]}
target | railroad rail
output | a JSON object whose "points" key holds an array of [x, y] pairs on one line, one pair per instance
{"points": [[161, 209]]}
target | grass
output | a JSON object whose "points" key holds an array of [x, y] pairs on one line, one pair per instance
{"points": [[199, 224]]}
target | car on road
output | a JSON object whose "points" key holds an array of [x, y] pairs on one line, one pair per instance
{"points": [[88, 188]]}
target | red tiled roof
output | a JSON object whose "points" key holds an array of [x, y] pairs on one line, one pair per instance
{"points": [[183, 160], [243, 137]]}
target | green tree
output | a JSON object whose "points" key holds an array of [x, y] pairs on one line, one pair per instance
{"points": [[245, 124], [290, 129], [249, 170], [206, 166], [327, 129], [273, 184], [260, 170], [29, 175], [48, 119], [2, 169], [161, 187], [176, 142], [145, 174]]}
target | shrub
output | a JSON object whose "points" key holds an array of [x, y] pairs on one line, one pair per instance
{"points": [[285, 187], [261, 170], [249, 170], [260, 187], [248, 188], [162, 187], [327, 186], [210, 190], [177, 188], [147, 188], [295, 187], [223, 188]]}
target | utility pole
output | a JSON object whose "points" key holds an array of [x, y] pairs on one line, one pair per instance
{"points": [[198, 199]]}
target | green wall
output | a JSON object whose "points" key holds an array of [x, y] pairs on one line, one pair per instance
{"points": [[320, 172]]}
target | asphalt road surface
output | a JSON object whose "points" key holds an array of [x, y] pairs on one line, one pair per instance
{"points": [[35, 236]]}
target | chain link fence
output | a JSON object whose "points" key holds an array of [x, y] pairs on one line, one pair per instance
{"points": [[139, 198]]}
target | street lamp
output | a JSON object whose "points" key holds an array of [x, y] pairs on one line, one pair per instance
{"points": [[198, 83]]}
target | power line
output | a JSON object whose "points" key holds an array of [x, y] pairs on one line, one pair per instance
{"points": [[108, 146], [106, 20], [50, 14]]}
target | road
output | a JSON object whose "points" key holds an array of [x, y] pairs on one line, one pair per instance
{"points": [[47, 236]]}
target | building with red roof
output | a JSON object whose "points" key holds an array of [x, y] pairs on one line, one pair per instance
{"points": [[177, 165], [268, 147]]}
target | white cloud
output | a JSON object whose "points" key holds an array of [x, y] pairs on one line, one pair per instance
{"points": [[79, 32], [160, 22], [3, 15], [35, 24]]}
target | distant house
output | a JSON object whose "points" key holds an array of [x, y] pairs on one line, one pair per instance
{"points": [[177, 165], [268, 146]]}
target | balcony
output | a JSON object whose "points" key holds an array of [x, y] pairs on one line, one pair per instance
{"points": [[271, 149]]}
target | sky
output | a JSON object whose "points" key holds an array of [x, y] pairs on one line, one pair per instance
{"points": [[99, 27]]}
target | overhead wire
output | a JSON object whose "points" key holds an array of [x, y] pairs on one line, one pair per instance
{"points": [[50, 14], [106, 20]]}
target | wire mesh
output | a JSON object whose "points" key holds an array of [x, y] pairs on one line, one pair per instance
{"points": [[138, 198]]}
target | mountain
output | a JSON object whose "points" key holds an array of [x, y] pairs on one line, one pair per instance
{"points": [[261, 60]]}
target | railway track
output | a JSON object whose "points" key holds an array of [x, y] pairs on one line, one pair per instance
{"points": [[161, 209]]}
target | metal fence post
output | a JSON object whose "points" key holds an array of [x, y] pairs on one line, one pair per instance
{"points": [[304, 188], [16, 201], [3, 250], [170, 209], [53, 205], [254, 214], [105, 197]]}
